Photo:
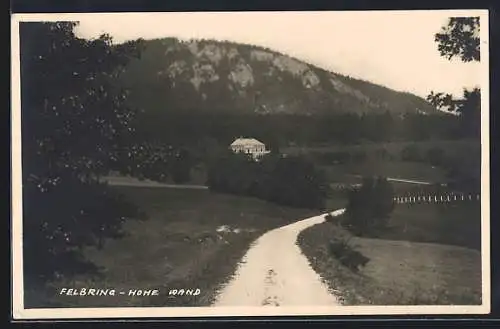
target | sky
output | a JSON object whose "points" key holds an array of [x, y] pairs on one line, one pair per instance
{"points": [[395, 49]]}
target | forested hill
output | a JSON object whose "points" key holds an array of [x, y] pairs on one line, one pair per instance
{"points": [[214, 76]]}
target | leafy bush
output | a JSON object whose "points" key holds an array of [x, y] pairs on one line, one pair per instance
{"points": [[369, 206], [347, 255]]}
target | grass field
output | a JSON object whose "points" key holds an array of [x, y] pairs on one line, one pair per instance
{"points": [[453, 224], [177, 247], [399, 272]]}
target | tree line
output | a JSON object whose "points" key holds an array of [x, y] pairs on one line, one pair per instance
{"points": [[281, 130], [291, 181]]}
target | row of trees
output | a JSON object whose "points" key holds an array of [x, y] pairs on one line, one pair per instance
{"points": [[292, 181], [279, 130]]}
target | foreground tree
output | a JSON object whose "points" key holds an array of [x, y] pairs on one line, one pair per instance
{"points": [[74, 124], [459, 38]]}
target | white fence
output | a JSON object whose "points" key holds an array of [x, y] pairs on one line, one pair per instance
{"points": [[437, 198]]}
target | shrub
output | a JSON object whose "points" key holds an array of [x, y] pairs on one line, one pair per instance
{"points": [[347, 255], [369, 206], [295, 181]]}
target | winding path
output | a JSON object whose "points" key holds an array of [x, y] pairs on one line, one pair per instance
{"points": [[274, 272]]}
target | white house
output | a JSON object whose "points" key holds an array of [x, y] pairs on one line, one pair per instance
{"points": [[249, 146]]}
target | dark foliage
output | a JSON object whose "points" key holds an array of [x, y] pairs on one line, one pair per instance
{"points": [[292, 181], [347, 255], [74, 125], [369, 206], [468, 109], [281, 130], [460, 38]]}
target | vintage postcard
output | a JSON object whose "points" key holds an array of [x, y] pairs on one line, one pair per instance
{"points": [[208, 164]]}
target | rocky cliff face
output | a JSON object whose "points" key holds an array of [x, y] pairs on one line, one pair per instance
{"points": [[207, 75]]}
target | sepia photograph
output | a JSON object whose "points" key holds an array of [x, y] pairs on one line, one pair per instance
{"points": [[194, 164]]}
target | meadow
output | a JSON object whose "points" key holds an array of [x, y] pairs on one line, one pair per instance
{"points": [[429, 254], [191, 239]]}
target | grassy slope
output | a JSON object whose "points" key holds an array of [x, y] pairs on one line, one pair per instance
{"points": [[454, 224], [178, 247], [399, 272]]}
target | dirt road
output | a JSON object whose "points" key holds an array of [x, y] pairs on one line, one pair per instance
{"points": [[274, 272]]}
